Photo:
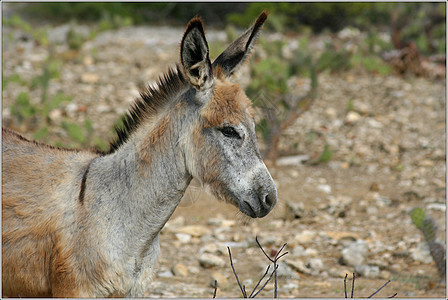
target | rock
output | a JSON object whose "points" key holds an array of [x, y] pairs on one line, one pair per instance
{"points": [[220, 278], [248, 282], [311, 252], [90, 78], [315, 264], [340, 235], [208, 260], [294, 210], [165, 274], [305, 236], [341, 273], [331, 112], [421, 253], [437, 206], [71, 109], [217, 248], [385, 275], [222, 223], [324, 188], [298, 251], [285, 271], [368, 271], [180, 270], [352, 117], [194, 230], [382, 201], [88, 60], [183, 237], [299, 266], [55, 115], [290, 286], [58, 34], [292, 160], [355, 253]]}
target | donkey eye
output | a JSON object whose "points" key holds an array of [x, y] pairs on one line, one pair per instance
{"points": [[229, 132]]}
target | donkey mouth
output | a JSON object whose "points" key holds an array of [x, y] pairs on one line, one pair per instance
{"points": [[247, 209], [252, 207], [253, 211]]}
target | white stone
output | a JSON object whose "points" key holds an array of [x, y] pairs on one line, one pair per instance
{"points": [[324, 188], [208, 260], [183, 237]]}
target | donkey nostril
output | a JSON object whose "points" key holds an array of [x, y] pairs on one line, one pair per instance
{"points": [[268, 200]]}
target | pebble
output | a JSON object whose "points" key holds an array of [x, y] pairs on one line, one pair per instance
{"points": [[180, 270], [421, 253], [207, 260], [165, 274], [355, 253], [368, 271], [305, 236], [55, 115], [248, 282], [220, 278], [352, 117], [299, 266], [194, 230], [90, 78], [437, 206], [310, 252], [222, 223], [298, 251], [294, 210], [315, 264], [324, 188], [183, 237], [290, 286], [285, 271]]}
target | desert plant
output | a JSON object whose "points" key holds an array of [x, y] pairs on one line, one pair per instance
{"points": [[428, 227], [272, 86]]}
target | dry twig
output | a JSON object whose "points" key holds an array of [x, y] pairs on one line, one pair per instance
{"points": [[216, 287], [274, 261], [353, 288], [243, 291]]}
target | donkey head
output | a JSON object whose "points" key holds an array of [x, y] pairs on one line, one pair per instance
{"points": [[222, 152]]}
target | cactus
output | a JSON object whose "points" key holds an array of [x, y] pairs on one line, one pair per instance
{"points": [[428, 227]]}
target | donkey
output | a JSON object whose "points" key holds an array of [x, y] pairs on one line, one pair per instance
{"points": [[87, 224]]}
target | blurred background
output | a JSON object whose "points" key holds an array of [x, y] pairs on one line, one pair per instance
{"points": [[350, 103]]}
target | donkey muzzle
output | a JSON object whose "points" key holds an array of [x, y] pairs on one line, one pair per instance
{"points": [[259, 203]]}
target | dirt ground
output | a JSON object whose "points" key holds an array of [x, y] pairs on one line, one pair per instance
{"points": [[388, 158]]}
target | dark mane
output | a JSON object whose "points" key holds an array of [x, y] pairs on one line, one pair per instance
{"points": [[149, 103]]}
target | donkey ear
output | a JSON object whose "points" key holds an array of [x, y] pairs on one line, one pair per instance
{"points": [[237, 52], [194, 55]]}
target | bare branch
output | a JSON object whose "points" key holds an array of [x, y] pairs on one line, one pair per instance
{"points": [[216, 287], [236, 276], [345, 285], [270, 259], [278, 252], [258, 283], [353, 286], [393, 296], [379, 289], [265, 282], [281, 255]]}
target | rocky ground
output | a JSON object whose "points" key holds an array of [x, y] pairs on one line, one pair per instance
{"points": [[351, 214]]}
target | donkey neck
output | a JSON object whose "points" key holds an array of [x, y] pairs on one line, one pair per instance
{"points": [[137, 189]]}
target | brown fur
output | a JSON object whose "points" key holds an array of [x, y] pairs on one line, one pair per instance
{"points": [[37, 231], [154, 138], [227, 104]]}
